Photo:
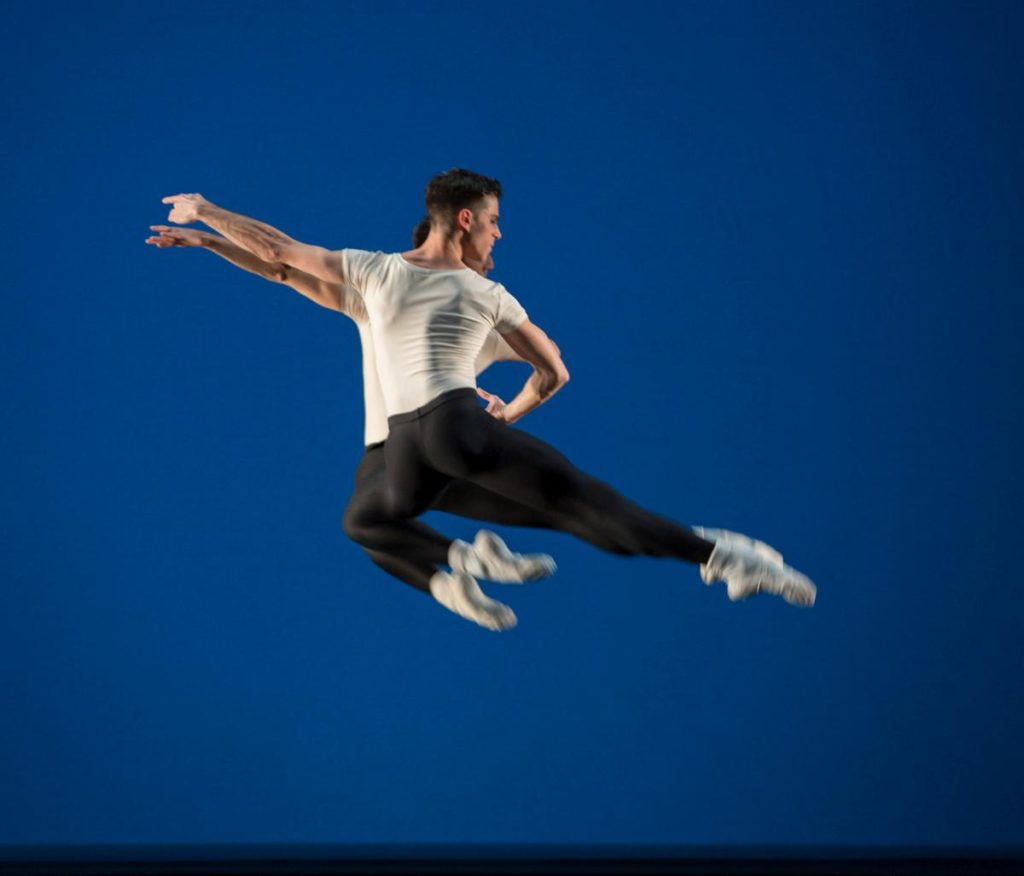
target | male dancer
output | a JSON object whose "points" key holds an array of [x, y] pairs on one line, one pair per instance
{"points": [[487, 557], [423, 549], [429, 316]]}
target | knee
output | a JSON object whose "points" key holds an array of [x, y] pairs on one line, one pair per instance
{"points": [[356, 526]]}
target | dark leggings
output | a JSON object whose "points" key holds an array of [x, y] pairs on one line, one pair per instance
{"points": [[412, 551], [407, 549], [452, 438]]}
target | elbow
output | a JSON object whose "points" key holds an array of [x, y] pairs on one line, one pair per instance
{"points": [[270, 251], [550, 381], [561, 373]]}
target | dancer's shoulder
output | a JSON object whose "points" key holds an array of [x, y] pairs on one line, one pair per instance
{"points": [[360, 266]]}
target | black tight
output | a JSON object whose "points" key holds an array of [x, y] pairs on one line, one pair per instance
{"points": [[407, 549], [412, 551], [525, 481]]}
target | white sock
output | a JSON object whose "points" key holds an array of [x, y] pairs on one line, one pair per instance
{"points": [[489, 558], [459, 592], [747, 572], [717, 535]]}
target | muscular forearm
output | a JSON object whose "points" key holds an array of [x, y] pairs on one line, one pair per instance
{"points": [[258, 238], [244, 259], [540, 386], [262, 240], [325, 294]]}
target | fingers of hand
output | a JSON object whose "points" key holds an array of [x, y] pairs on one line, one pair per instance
{"points": [[166, 237]]}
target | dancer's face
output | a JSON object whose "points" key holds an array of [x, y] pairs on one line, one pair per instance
{"points": [[480, 229]]}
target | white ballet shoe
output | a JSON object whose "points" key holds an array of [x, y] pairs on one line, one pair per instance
{"points": [[747, 572], [717, 535], [490, 559], [459, 593]]}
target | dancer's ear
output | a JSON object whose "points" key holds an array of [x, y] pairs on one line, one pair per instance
{"points": [[464, 219]]}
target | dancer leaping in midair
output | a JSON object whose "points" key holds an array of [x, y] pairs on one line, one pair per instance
{"points": [[429, 317], [408, 549], [423, 550]]}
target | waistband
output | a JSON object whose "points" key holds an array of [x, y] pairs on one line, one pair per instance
{"points": [[443, 398], [375, 446]]}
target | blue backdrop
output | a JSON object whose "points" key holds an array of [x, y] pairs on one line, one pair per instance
{"points": [[780, 248]]}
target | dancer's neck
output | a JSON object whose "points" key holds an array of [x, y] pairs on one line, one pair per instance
{"points": [[438, 252]]}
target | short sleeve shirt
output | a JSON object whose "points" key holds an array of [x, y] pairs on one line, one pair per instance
{"points": [[428, 326]]}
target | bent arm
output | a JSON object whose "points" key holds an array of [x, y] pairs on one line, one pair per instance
{"points": [[502, 352], [549, 372]]}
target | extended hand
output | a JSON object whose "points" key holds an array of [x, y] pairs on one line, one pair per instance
{"points": [[168, 236], [495, 406], [185, 209]]}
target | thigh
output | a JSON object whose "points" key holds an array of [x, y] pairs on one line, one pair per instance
{"points": [[413, 484], [370, 520], [369, 499], [467, 499], [467, 443]]}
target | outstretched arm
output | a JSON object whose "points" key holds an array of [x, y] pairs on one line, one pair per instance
{"points": [[549, 372], [330, 295], [262, 240]]}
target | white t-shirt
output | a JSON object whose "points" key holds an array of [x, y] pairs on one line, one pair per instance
{"points": [[493, 350], [428, 326]]}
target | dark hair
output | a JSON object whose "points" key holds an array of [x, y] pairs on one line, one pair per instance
{"points": [[420, 232], [455, 190]]}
